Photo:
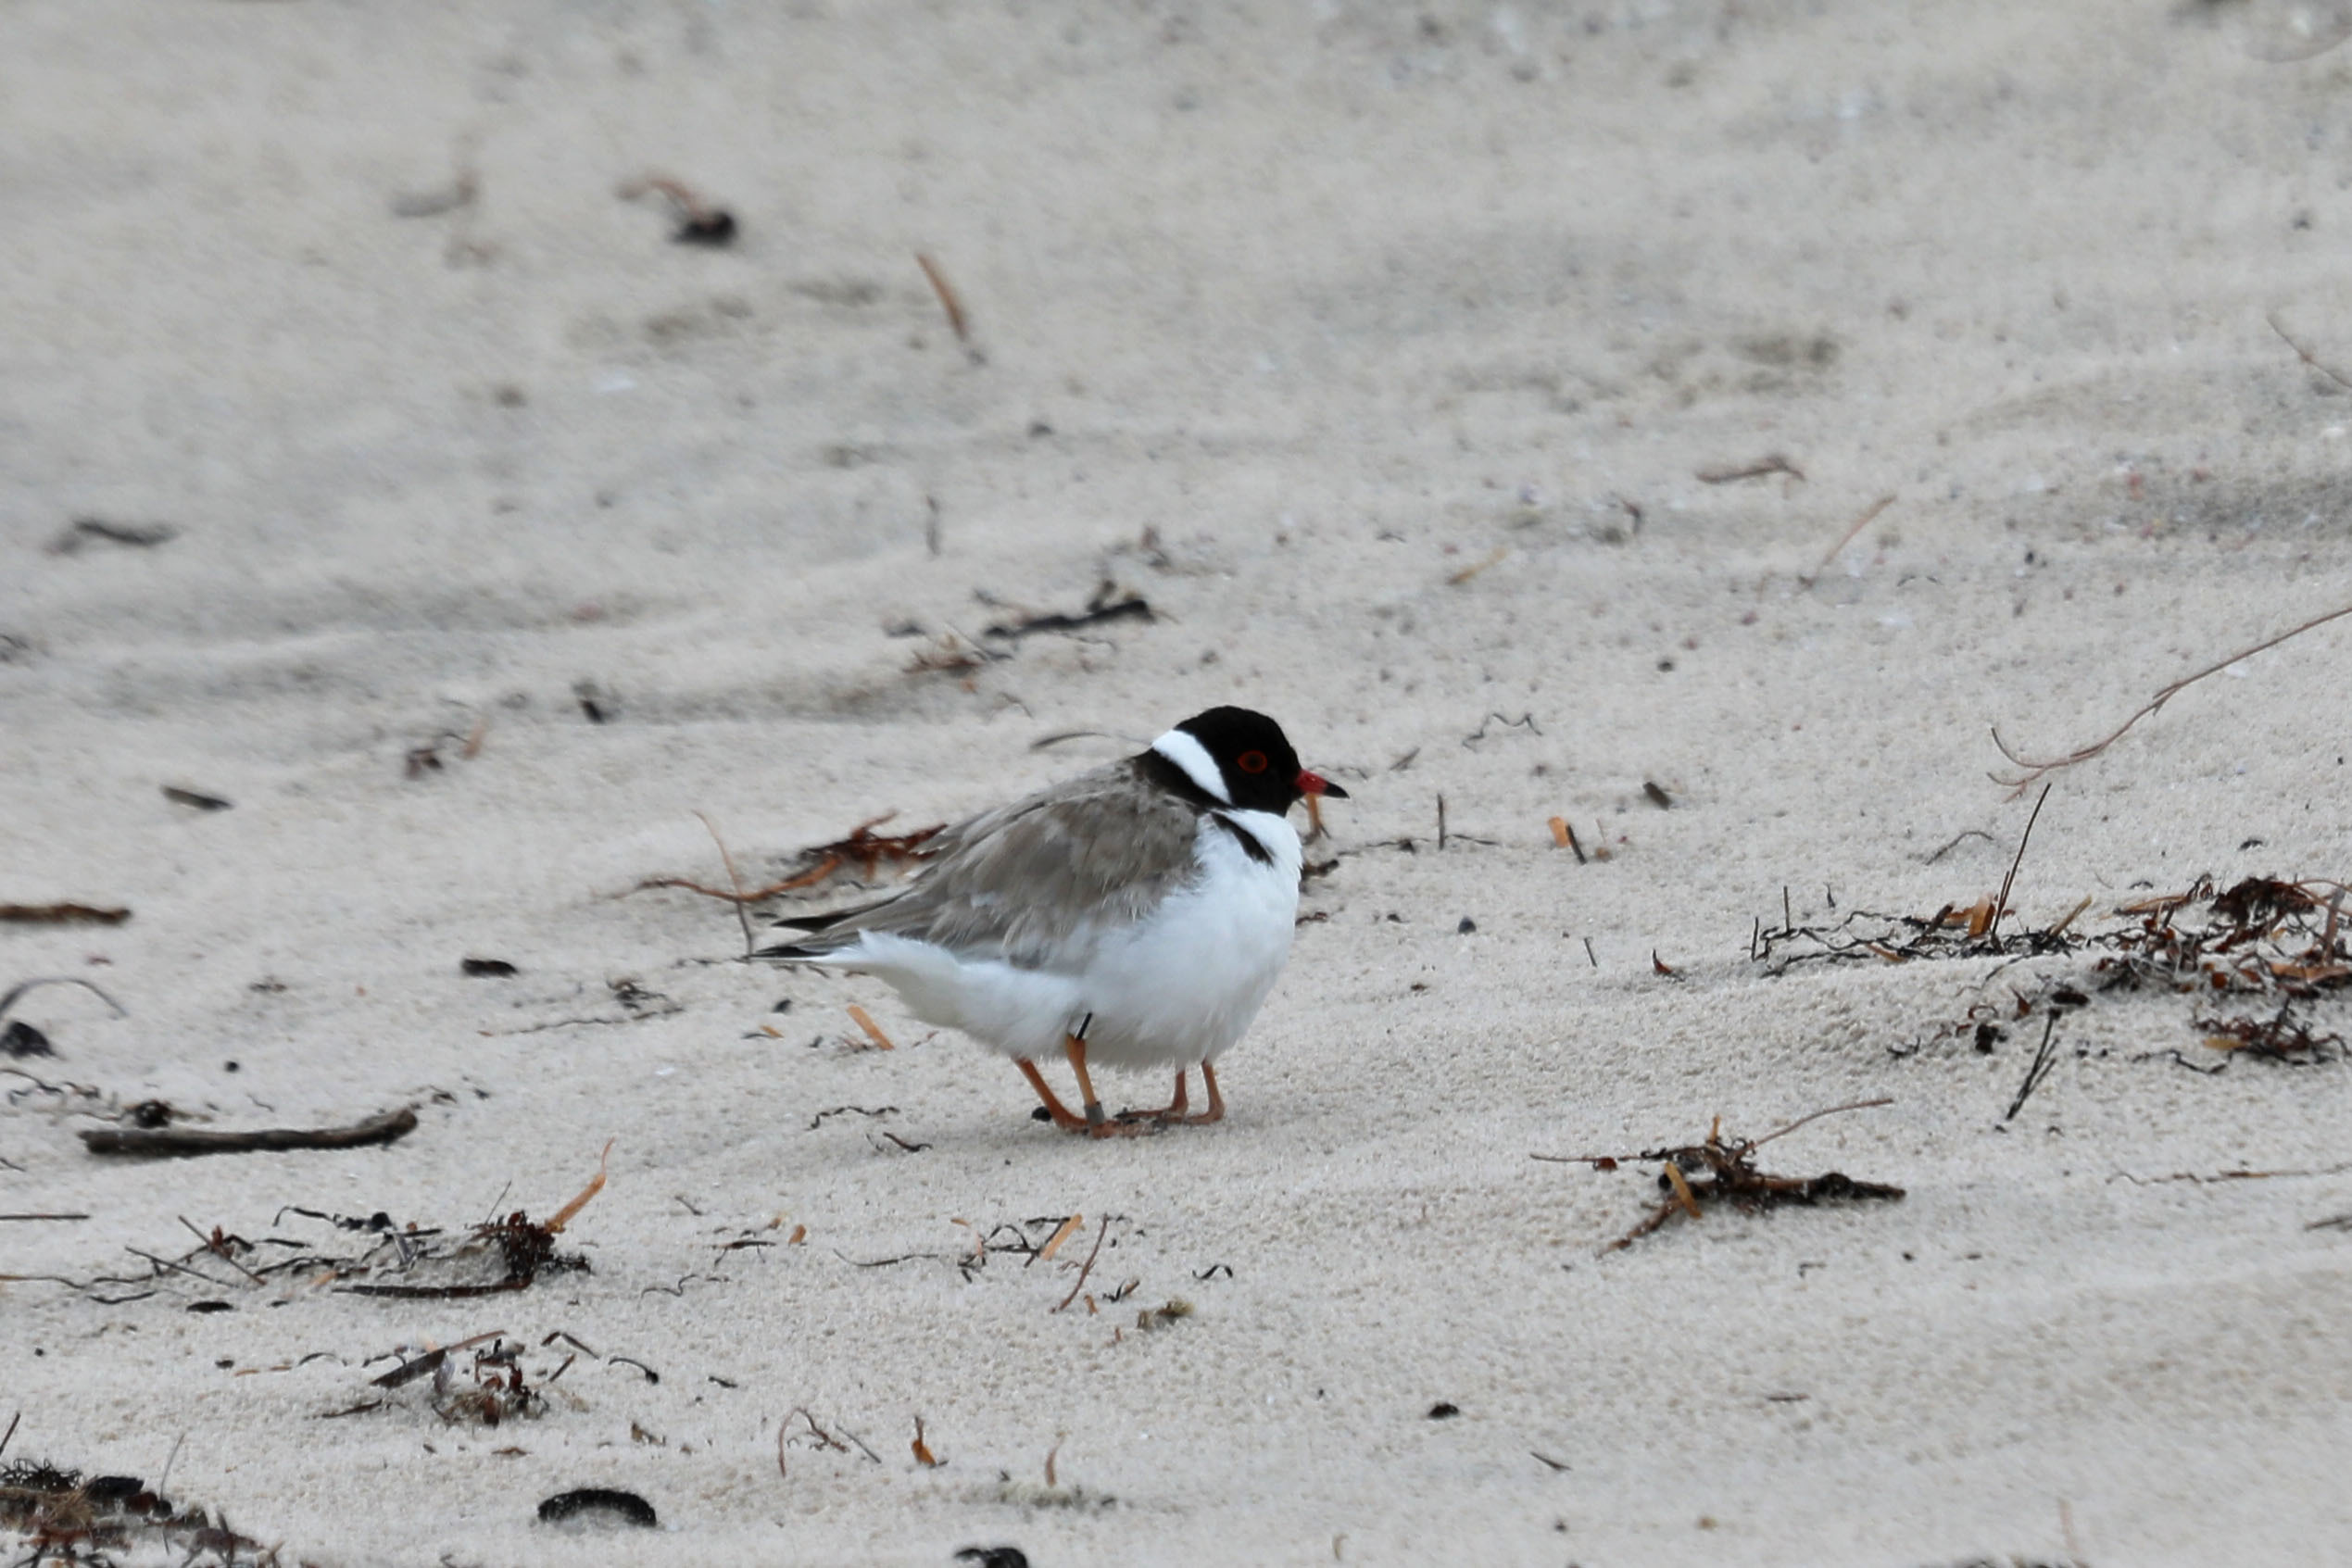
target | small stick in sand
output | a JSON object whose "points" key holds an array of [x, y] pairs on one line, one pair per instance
{"points": [[61, 914], [2059, 929], [733, 880], [2306, 354], [699, 223], [2065, 1529], [155, 1141], [949, 300], [1467, 572], [218, 1245], [1100, 1231], [1683, 1194], [596, 1185], [1764, 467], [923, 1454], [1882, 504], [22, 987], [175, 1268], [2001, 902], [408, 1372], [2034, 769], [1954, 841], [864, 1021], [1053, 1243], [1786, 1128], [2044, 1059]]}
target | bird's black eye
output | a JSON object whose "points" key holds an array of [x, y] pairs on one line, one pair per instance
{"points": [[1250, 761]]}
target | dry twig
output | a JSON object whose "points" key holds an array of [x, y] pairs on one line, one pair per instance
{"points": [[1100, 1231], [1882, 504], [733, 880], [1764, 467], [22, 987], [2034, 769], [385, 1128], [864, 1021], [950, 302], [2306, 354], [61, 914]]}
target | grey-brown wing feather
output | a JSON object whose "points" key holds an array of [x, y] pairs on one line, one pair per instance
{"points": [[1042, 877]]}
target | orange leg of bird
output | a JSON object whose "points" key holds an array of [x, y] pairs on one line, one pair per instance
{"points": [[1173, 1109], [1063, 1117], [1216, 1101], [1173, 1113], [1097, 1124]]}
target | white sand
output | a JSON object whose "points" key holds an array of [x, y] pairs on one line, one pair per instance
{"points": [[1339, 302]]}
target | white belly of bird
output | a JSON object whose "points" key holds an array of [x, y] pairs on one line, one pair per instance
{"points": [[1178, 988]]}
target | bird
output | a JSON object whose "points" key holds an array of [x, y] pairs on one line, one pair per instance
{"points": [[1135, 915]]}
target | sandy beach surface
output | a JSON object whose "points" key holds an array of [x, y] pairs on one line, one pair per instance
{"points": [[372, 462]]}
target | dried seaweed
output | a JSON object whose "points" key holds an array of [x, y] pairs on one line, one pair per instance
{"points": [[1027, 1240], [2273, 947], [1107, 603], [524, 1248], [1871, 936], [64, 1516], [862, 848], [2259, 936], [1953, 931], [398, 1261], [2280, 1038], [476, 1382], [1718, 1171]]}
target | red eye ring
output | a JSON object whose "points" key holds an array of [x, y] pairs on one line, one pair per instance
{"points": [[1251, 762]]}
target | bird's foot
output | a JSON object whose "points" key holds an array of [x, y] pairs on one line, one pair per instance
{"points": [[1163, 1115], [1101, 1126]]}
